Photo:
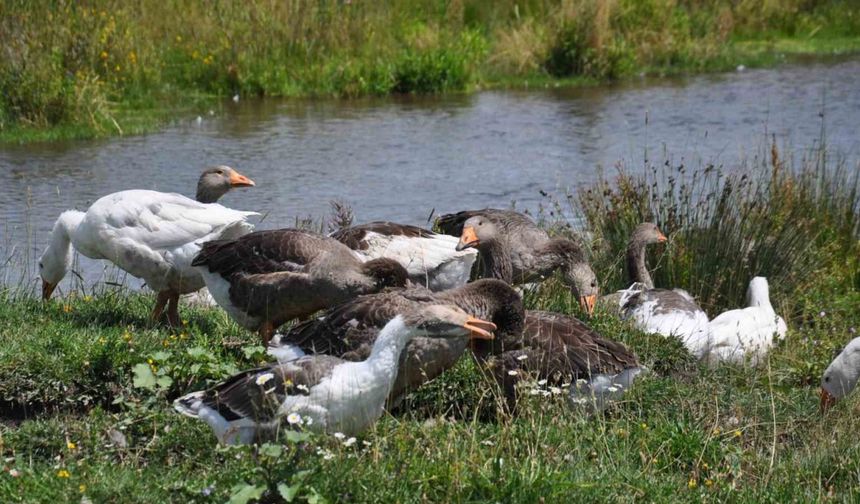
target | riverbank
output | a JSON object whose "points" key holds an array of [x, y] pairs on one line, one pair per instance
{"points": [[86, 380], [109, 69]]}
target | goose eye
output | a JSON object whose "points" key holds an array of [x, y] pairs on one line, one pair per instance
{"points": [[827, 379], [219, 172], [594, 284], [41, 265]]}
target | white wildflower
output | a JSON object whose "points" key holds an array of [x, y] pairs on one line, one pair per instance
{"points": [[545, 393], [14, 473], [612, 388], [534, 391], [263, 378], [339, 435], [555, 390], [579, 400], [513, 372], [309, 420], [294, 419], [349, 442], [581, 381], [366, 443], [822, 313], [328, 455], [542, 382], [522, 357], [487, 442], [303, 388]]}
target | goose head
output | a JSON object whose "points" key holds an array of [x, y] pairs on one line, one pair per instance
{"points": [[56, 260], [578, 274], [385, 273], [217, 181], [477, 232], [841, 376], [647, 233], [448, 321]]}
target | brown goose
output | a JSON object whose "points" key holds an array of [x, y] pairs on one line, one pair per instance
{"points": [[512, 248], [561, 349], [350, 330], [151, 235], [321, 392], [670, 312], [267, 278], [430, 258], [558, 348]]}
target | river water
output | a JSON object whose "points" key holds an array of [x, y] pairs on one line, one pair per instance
{"points": [[399, 158]]}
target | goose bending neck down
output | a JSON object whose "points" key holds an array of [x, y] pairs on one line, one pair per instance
{"points": [[519, 252], [151, 235], [326, 393], [841, 376]]}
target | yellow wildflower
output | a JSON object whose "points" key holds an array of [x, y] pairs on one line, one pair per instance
{"points": [[62, 473], [88, 298], [692, 483], [104, 55], [70, 445], [149, 361], [644, 426], [738, 433], [67, 308], [118, 68], [82, 488], [709, 483], [132, 57], [179, 38]]}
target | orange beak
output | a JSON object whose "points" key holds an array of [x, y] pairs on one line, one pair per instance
{"points": [[587, 303], [480, 329], [827, 400], [469, 239], [239, 180], [47, 290], [661, 237]]}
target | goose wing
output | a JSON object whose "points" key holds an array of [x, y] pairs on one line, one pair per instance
{"points": [[263, 252], [258, 393], [162, 221], [349, 330]]}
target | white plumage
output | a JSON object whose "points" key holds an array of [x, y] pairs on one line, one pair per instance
{"points": [[671, 313], [431, 259], [151, 235], [748, 333]]}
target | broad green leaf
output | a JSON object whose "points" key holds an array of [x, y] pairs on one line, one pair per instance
{"points": [[143, 377], [297, 437], [161, 356], [271, 450], [243, 493], [289, 492]]}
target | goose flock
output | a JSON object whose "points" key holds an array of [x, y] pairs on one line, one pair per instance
{"points": [[382, 308]]}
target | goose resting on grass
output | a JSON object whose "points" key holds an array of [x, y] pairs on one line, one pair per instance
{"points": [[267, 278], [430, 258], [671, 313], [511, 247], [152, 235], [558, 349], [746, 334], [328, 394], [841, 376], [350, 330]]}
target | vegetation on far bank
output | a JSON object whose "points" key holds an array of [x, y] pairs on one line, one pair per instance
{"points": [[72, 69], [86, 380]]}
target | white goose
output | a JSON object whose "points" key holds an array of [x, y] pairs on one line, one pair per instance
{"points": [[334, 394], [841, 376], [152, 235], [747, 333], [671, 313], [431, 259]]}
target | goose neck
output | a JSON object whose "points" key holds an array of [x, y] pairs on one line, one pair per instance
{"points": [[385, 354], [496, 262], [636, 267]]}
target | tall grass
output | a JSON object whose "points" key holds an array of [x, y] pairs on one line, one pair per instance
{"points": [[792, 220], [68, 63]]}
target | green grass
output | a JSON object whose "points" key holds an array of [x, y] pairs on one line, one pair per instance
{"points": [[108, 68], [86, 383]]}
